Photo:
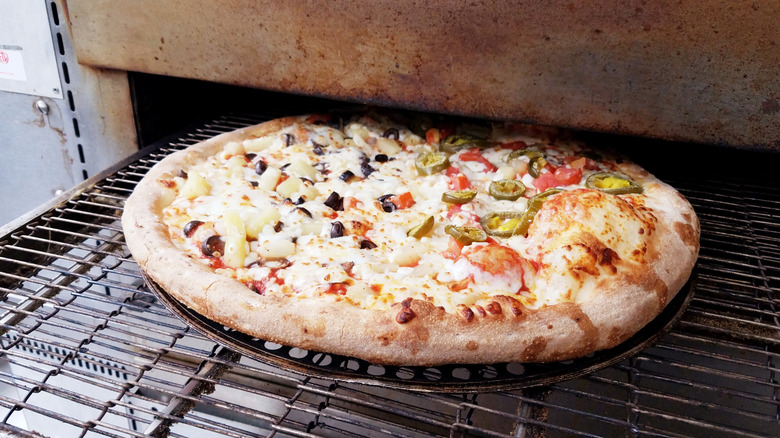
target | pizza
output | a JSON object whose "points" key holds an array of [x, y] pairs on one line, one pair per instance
{"points": [[410, 239]]}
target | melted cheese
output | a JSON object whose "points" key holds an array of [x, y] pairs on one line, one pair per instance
{"points": [[292, 236], [583, 234]]}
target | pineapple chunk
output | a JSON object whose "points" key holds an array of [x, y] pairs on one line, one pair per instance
{"points": [[359, 134], [360, 292], [406, 256], [235, 239], [234, 148], [322, 140], [258, 144], [413, 140], [505, 172], [259, 219], [195, 186], [303, 168], [388, 146], [235, 252], [233, 224], [309, 192], [314, 228], [336, 137], [269, 179], [235, 166], [289, 186], [276, 249]]}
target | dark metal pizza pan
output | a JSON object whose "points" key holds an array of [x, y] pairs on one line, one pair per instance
{"points": [[456, 378]]}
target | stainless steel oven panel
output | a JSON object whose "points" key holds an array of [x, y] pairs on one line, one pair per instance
{"points": [[65, 121]]}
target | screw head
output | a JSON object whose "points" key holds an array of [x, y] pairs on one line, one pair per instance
{"points": [[42, 106]]}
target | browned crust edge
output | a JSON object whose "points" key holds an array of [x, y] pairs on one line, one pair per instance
{"points": [[626, 303]]}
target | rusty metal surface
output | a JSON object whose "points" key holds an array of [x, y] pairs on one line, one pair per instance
{"points": [[701, 71], [61, 140]]}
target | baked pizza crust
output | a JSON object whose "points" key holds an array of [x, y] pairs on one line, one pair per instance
{"points": [[509, 332]]}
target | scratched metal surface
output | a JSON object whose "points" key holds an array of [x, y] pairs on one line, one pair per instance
{"points": [[693, 71], [60, 140]]}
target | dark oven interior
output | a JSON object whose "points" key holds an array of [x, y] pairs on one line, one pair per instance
{"points": [[87, 349]]}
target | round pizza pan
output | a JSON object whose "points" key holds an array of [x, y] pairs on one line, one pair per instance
{"points": [[456, 378]]}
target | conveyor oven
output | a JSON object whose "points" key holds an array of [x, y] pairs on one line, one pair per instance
{"points": [[87, 347]]}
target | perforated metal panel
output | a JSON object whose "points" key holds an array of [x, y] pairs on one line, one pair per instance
{"points": [[88, 351], [64, 121]]}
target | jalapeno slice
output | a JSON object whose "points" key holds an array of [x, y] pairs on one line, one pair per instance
{"points": [[458, 196], [534, 204], [506, 189], [429, 163], [525, 222], [612, 183], [530, 153], [501, 223], [421, 230], [466, 235], [458, 142], [536, 165], [537, 159], [537, 200]]}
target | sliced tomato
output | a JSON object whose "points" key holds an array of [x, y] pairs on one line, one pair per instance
{"points": [[476, 155], [458, 181], [545, 181], [580, 162], [567, 176], [453, 210], [576, 163], [402, 201], [433, 136], [562, 176], [453, 249]]}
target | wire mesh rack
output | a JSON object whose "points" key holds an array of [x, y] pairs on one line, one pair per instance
{"points": [[87, 350]]}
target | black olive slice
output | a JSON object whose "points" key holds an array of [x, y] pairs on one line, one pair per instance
{"points": [[336, 229], [261, 167], [214, 246], [367, 169], [387, 205], [367, 244], [335, 201], [191, 227], [391, 133], [303, 210]]}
